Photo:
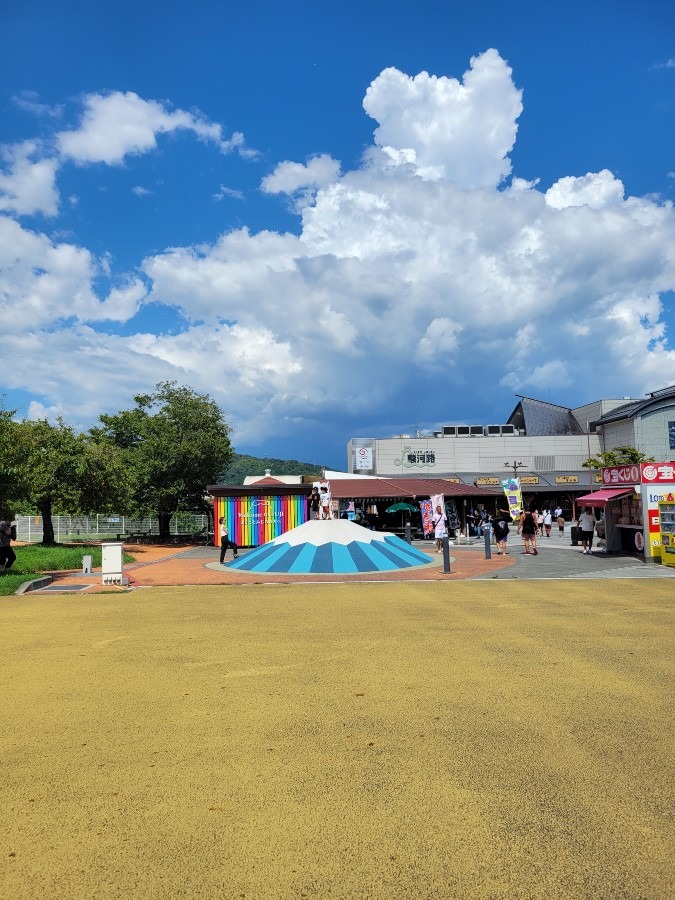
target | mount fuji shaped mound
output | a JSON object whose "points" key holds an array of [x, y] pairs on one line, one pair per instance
{"points": [[334, 546]]}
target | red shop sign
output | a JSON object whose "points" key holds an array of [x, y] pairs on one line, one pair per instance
{"points": [[657, 472], [621, 474]]}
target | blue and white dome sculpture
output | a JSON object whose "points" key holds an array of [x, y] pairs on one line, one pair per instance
{"points": [[334, 546]]}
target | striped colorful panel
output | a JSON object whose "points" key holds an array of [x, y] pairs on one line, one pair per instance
{"points": [[253, 521]]}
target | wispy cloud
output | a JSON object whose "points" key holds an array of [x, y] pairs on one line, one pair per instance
{"points": [[223, 192], [30, 102]]}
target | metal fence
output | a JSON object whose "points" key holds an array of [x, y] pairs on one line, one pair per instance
{"points": [[69, 529]]}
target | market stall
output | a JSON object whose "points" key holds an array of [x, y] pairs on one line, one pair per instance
{"points": [[628, 503]]}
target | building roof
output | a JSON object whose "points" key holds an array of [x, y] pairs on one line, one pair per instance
{"points": [[360, 488], [632, 409], [539, 418], [389, 488], [280, 479], [268, 480]]}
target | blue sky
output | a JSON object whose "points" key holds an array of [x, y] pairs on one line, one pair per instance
{"points": [[339, 220]]}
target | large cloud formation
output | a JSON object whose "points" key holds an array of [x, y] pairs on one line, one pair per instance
{"points": [[426, 269]]}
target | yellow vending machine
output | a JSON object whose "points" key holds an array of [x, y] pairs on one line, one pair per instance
{"points": [[667, 521]]}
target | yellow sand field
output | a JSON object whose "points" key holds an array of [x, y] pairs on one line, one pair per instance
{"points": [[472, 740]]}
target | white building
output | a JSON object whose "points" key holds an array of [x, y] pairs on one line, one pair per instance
{"points": [[545, 444]]}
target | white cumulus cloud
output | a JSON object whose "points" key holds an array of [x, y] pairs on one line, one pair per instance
{"points": [[444, 128], [414, 262], [595, 189], [118, 124], [27, 184]]}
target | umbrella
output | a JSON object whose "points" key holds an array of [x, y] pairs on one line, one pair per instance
{"points": [[402, 508]]}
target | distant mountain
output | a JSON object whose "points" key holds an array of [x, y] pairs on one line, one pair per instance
{"points": [[243, 465]]}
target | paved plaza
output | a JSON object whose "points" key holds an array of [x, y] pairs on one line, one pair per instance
{"points": [[168, 565]]}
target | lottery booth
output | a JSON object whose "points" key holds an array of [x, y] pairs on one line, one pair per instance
{"points": [[628, 504]]}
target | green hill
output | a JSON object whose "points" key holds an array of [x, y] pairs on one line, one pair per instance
{"points": [[243, 465]]}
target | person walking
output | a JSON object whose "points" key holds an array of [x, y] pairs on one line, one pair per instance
{"points": [[548, 521], [7, 535], [528, 528], [225, 541], [540, 524], [561, 524], [500, 525], [587, 524]]}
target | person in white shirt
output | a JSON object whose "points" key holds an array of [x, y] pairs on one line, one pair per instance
{"points": [[225, 541], [547, 522], [440, 524], [587, 524]]}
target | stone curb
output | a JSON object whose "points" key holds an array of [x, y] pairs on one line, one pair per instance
{"points": [[34, 585]]}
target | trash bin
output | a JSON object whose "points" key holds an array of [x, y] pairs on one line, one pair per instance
{"points": [[575, 532]]}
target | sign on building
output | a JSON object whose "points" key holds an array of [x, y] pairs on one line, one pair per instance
{"points": [[364, 458]]}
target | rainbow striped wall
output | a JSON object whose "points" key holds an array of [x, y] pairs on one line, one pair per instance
{"points": [[253, 521]]}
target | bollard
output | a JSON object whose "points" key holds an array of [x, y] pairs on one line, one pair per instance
{"points": [[446, 555], [408, 533], [488, 541]]}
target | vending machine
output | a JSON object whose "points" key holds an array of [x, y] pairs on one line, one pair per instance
{"points": [[667, 521]]}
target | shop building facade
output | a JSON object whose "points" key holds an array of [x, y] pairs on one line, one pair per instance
{"points": [[542, 443]]}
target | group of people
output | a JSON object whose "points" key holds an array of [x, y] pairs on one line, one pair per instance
{"points": [[533, 524], [319, 503]]}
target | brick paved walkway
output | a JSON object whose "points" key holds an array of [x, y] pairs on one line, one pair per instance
{"points": [[189, 565]]}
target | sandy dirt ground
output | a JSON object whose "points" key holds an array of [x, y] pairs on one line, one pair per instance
{"points": [[403, 740]]}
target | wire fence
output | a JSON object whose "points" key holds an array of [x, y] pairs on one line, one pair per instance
{"points": [[71, 529]]}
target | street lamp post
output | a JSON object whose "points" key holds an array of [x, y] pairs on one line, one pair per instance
{"points": [[515, 466]]}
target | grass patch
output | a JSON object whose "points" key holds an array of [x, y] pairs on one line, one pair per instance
{"points": [[34, 559], [11, 582]]}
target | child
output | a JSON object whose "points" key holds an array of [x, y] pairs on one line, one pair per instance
{"points": [[325, 503]]}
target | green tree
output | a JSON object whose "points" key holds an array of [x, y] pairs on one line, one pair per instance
{"points": [[174, 442], [619, 456], [62, 471], [9, 462]]}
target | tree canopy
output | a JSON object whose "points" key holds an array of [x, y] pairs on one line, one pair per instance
{"points": [[618, 456], [55, 469], [174, 442]]}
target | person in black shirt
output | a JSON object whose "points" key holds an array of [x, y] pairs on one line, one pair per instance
{"points": [[500, 524]]}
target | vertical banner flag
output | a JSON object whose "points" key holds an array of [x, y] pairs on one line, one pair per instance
{"points": [[514, 496], [425, 510]]}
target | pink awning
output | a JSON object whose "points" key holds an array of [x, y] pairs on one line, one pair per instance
{"points": [[603, 496]]}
